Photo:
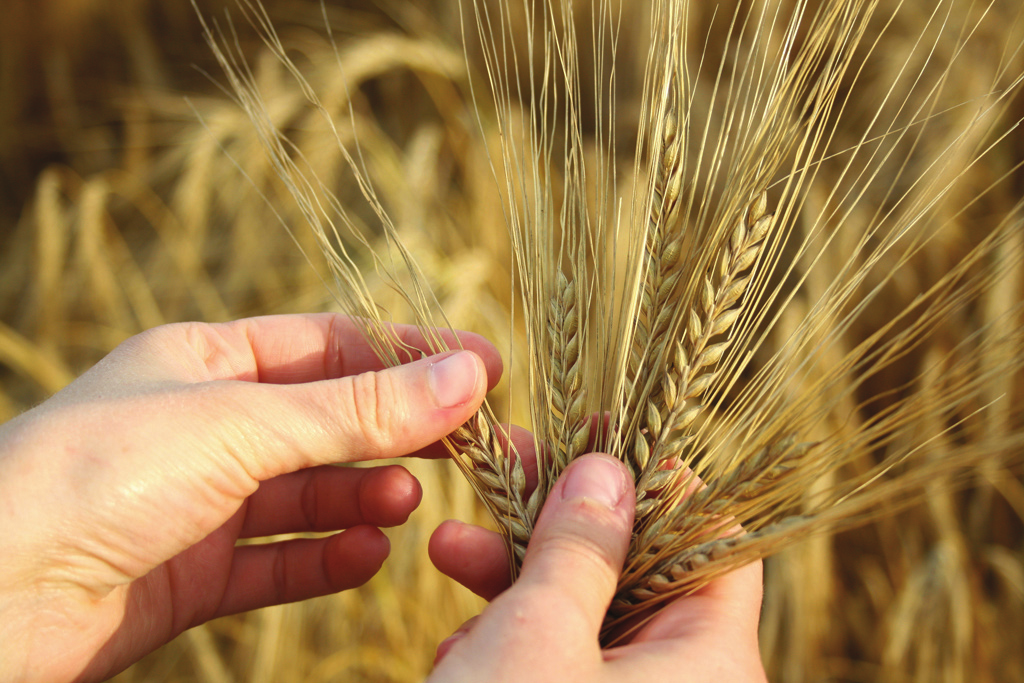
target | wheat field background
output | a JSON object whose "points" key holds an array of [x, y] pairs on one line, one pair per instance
{"points": [[120, 210]]}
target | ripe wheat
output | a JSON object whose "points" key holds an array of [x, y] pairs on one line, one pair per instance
{"points": [[649, 311]]}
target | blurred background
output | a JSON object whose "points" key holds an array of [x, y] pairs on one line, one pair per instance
{"points": [[133, 192]]}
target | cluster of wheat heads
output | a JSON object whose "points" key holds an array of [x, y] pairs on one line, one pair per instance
{"points": [[659, 295]]}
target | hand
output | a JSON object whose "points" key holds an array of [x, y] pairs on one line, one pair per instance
{"points": [[545, 627], [122, 497]]}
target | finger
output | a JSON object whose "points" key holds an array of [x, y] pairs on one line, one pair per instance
{"points": [[285, 349], [450, 641], [473, 556], [289, 571], [330, 498], [580, 541], [715, 629], [520, 445], [729, 606], [514, 440], [386, 414]]}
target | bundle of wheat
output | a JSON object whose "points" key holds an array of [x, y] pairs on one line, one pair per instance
{"points": [[659, 307]]}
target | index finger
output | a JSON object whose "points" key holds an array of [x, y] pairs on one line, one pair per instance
{"points": [[289, 349]]}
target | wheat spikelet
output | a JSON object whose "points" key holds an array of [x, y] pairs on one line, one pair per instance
{"points": [[677, 548], [500, 481], [663, 435], [571, 428], [663, 248]]}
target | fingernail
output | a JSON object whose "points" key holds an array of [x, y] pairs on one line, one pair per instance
{"points": [[599, 479], [453, 380]]}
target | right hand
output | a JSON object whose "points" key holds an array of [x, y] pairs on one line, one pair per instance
{"points": [[545, 627]]}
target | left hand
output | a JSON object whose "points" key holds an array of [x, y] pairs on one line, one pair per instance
{"points": [[122, 498]]}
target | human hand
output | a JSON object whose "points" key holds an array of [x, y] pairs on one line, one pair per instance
{"points": [[545, 627], [123, 496]]}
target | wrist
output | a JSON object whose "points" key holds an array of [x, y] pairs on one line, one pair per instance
{"points": [[16, 627], [47, 630], [45, 635]]}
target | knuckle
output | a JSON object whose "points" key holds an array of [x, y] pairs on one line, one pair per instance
{"points": [[149, 342], [212, 351], [335, 345], [533, 601], [372, 399], [583, 552], [279, 574], [309, 503], [536, 608], [590, 539]]}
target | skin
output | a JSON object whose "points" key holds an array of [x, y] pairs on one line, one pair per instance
{"points": [[548, 622], [122, 499]]}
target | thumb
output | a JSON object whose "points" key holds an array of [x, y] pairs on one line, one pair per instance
{"points": [[581, 539], [385, 414]]}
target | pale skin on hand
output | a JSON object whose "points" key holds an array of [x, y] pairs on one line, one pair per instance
{"points": [[123, 496], [547, 624], [189, 437]]}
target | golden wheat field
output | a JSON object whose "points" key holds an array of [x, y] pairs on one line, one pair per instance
{"points": [[879, 321]]}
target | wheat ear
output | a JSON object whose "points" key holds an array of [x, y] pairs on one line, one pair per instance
{"points": [[668, 415]]}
